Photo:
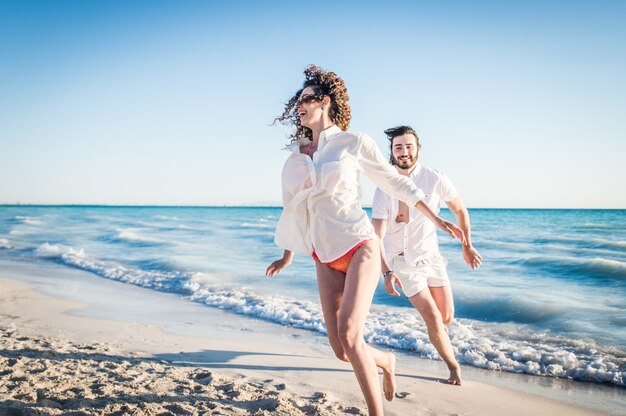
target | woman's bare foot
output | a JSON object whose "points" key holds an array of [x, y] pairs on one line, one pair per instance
{"points": [[389, 378], [455, 376]]}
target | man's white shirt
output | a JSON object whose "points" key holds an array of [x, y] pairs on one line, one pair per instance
{"points": [[417, 239]]}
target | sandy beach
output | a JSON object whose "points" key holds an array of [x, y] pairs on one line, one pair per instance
{"points": [[74, 343]]}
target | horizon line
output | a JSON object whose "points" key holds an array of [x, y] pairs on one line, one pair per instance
{"points": [[253, 206]]}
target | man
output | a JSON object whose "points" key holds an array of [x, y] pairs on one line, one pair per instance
{"points": [[410, 242]]}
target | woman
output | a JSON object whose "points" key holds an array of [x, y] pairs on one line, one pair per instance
{"points": [[322, 217]]}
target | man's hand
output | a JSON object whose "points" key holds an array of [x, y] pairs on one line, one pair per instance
{"points": [[472, 257], [390, 284], [277, 267]]}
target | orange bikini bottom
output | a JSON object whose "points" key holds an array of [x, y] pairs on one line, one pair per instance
{"points": [[342, 263]]}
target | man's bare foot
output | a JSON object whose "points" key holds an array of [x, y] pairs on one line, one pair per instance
{"points": [[389, 378], [455, 377]]}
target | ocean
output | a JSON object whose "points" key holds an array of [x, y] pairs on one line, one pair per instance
{"points": [[549, 299]]}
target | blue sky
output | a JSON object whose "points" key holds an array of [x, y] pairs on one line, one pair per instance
{"points": [[522, 104]]}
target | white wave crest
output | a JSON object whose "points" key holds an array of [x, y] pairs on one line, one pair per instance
{"points": [[593, 265], [603, 226], [255, 225], [159, 280], [614, 264], [130, 234], [54, 251], [282, 310], [27, 220], [608, 243], [4, 243], [500, 348]]}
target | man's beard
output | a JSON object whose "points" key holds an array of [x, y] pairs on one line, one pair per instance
{"points": [[405, 164]]}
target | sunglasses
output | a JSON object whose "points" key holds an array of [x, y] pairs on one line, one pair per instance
{"points": [[306, 99]]}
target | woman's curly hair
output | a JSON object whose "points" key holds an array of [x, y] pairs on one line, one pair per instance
{"points": [[324, 84]]}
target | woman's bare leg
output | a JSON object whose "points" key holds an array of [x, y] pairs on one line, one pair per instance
{"points": [[386, 361], [358, 291], [331, 283]]}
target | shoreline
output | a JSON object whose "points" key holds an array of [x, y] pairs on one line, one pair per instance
{"points": [[65, 307]]}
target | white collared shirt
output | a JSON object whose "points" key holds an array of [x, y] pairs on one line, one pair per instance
{"points": [[417, 239], [326, 217]]}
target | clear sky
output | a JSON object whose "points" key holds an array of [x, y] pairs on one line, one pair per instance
{"points": [[522, 104]]}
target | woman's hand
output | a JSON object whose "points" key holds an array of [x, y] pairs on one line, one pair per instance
{"points": [[277, 267], [451, 228], [280, 264]]}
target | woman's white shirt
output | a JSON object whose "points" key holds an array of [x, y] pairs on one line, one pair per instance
{"points": [[321, 196]]}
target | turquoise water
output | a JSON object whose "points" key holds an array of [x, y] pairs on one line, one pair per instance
{"points": [[550, 298]]}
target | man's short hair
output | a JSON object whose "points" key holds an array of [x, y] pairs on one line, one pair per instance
{"points": [[399, 131]]}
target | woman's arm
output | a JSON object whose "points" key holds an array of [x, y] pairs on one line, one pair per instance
{"points": [[386, 177], [391, 182], [451, 228]]}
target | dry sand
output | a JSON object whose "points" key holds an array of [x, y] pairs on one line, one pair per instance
{"points": [[56, 359], [57, 377]]}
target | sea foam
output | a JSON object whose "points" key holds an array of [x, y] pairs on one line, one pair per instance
{"points": [[587, 267], [166, 218], [47, 250], [27, 220], [255, 225], [131, 235]]}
